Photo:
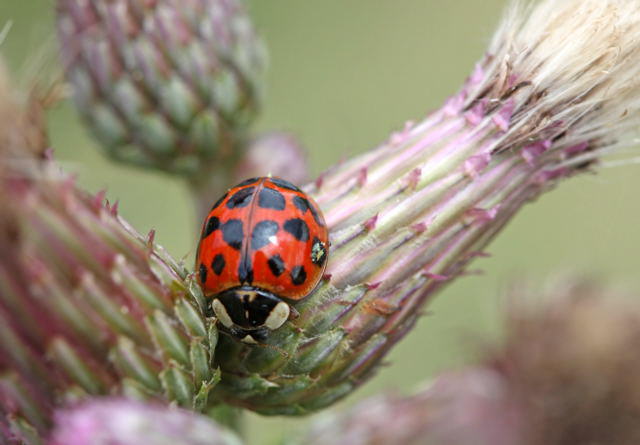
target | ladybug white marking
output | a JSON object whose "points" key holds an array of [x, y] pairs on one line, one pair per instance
{"points": [[278, 315], [249, 339], [221, 313]]}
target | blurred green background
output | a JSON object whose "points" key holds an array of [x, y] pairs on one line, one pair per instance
{"points": [[343, 75]]}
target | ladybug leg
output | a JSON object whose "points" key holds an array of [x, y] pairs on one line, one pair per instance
{"points": [[258, 338], [293, 313], [208, 311]]}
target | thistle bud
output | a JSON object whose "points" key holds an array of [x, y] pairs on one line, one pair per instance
{"points": [[465, 408], [558, 88], [564, 375], [22, 123], [169, 85], [276, 154], [90, 307], [125, 422]]}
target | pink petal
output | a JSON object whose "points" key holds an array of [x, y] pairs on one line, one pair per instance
{"points": [[549, 175], [477, 76], [413, 178], [483, 215], [575, 149], [399, 137], [502, 119], [453, 105], [476, 163], [475, 115], [419, 227], [436, 277], [370, 224], [533, 151], [362, 176], [373, 286]]}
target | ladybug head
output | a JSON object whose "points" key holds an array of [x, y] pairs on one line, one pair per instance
{"points": [[249, 313]]}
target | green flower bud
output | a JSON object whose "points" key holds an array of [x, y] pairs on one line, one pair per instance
{"points": [[168, 85]]}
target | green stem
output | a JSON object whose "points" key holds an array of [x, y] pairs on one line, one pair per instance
{"points": [[231, 417]]}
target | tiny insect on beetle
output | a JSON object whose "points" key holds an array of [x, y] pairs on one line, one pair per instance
{"points": [[264, 245]]}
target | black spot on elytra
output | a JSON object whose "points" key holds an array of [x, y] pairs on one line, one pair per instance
{"points": [[271, 199], [298, 275], [284, 184], [203, 273], [276, 265], [245, 271], [219, 201], [298, 228], [316, 214], [262, 232], [247, 182], [218, 264], [232, 233], [304, 204], [301, 203], [318, 252], [213, 224], [241, 198]]}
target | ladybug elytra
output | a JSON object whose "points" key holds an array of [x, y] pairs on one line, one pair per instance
{"points": [[264, 244]]}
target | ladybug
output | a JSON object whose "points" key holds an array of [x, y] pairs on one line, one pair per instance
{"points": [[264, 245]]}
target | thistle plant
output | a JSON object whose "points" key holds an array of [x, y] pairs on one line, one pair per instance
{"points": [[90, 307], [118, 421], [170, 85], [409, 216], [566, 351]]}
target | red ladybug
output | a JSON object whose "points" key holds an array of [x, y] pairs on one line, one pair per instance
{"points": [[264, 244]]}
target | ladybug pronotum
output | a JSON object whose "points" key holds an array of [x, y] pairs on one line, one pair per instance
{"points": [[264, 245]]}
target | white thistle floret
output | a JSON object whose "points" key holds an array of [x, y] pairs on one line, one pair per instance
{"points": [[581, 60]]}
